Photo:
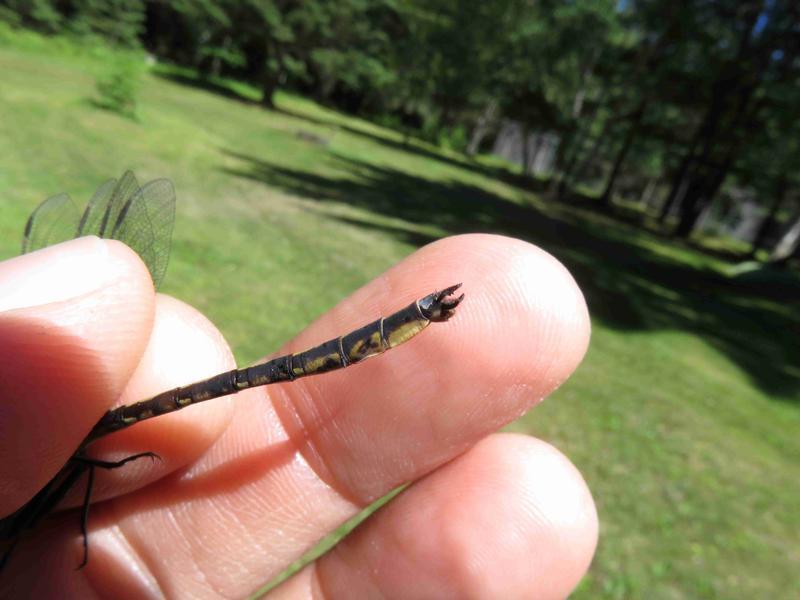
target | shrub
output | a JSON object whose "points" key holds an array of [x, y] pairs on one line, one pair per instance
{"points": [[453, 139], [118, 86]]}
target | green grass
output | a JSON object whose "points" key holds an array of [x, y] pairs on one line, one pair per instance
{"points": [[685, 413]]}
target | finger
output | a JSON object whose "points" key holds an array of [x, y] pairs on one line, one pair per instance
{"points": [[512, 518], [297, 462], [75, 319]]}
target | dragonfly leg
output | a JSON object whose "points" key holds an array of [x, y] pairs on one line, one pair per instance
{"points": [[87, 500], [93, 464], [107, 464]]}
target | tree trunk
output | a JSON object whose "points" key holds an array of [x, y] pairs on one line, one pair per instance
{"points": [[729, 111], [579, 160], [564, 144], [271, 79], [269, 83], [788, 246], [674, 199], [769, 221], [698, 196], [580, 95], [571, 144], [706, 186], [694, 201], [565, 176], [649, 191], [591, 157], [630, 136], [488, 116], [526, 148], [533, 152], [680, 181]]}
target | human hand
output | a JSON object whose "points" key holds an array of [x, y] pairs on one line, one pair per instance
{"points": [[248, 483]]}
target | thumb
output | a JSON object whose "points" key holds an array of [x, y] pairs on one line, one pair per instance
{"points": [[74, 321]]}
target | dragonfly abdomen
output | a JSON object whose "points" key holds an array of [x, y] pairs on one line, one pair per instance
{"points": [[338, 353]]}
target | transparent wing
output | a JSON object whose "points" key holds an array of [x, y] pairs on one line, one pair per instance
{"points": [[92, 219], [105, 207], [145, 223], [142, 218], [55, 220]]}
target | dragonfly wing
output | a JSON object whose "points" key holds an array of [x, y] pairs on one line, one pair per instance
{"points": [[142, 218], [107, 206], [92, 218], [145, 224], [55, 220]]}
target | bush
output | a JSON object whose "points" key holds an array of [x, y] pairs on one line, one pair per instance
{"points": [[453, 139], [118, 87]]}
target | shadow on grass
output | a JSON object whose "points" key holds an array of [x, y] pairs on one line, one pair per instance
{"points": [[638, 218], [125, 113], [409, 145], [208, 85], [417, 147], [628, 286]]}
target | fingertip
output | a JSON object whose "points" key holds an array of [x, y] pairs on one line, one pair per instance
{"points": [[512, 515], [510, 518], [525, 292]]}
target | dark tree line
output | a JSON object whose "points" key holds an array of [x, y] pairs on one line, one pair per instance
{"points": [[680, 101]]}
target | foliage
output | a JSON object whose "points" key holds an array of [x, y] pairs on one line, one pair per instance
{"points": [[39, 14], [119, 22], [118, 85]]}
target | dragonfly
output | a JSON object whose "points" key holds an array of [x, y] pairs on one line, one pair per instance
{"points": [[143, 218]]}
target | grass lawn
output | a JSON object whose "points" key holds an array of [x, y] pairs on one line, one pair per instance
{"points": [[684, 417]]}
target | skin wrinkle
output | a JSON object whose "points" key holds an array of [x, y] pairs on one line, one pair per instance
{"points": [[189, 552], [243, 532], [202, 575], [297, 429], [133, 550], [197, 428], [231, 569], [142, 571], [137, 546], [141, 567], [300, 434], [275, 511], [239, 445]]}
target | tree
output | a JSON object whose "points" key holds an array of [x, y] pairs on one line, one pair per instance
{"points": [[120, 22], [762, 46]]}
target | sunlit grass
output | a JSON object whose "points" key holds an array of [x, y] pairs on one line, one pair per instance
{"points": [[683, 417]]}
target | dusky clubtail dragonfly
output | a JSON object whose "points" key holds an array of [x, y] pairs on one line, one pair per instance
{"points": [[143, 218]]}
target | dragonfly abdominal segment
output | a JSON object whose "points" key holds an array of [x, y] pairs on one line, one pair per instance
{"points": [[338, 353]]}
